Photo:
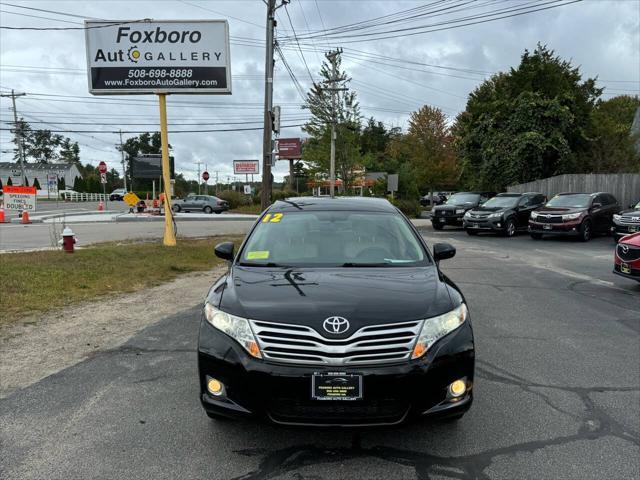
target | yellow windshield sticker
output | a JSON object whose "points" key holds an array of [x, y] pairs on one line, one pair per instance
{"points": [[272, 218], [258, 255]]}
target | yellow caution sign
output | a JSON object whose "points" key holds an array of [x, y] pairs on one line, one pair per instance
{"points": [[131, 199]]}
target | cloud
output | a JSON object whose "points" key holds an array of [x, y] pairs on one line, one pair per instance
{"points": [[600, 36]]}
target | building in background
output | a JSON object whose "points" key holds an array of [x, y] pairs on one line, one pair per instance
{"points": [[67, 171]]}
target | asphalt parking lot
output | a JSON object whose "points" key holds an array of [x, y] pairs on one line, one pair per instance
{"points": [[557, 392]]}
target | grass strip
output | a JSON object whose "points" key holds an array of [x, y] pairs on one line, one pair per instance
{"points": [[40, 281]]}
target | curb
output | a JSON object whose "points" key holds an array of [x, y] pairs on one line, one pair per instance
{"points": [[40, 219]]}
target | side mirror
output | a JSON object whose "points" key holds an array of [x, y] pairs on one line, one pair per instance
{"points": [[442, 251], [596, 205], [224, 250]]}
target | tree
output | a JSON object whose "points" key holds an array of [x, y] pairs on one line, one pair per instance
{"points": [[69, 151], [36, 183], [529, 123], [42, 145], [425, 153], [79, 185], [612, 146], [9, 182], [346, 115], [374, 141]]}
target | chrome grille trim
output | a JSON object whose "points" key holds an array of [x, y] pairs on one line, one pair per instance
{"points": [[373, 344]]}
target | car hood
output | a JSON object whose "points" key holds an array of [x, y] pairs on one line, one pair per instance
{"points": [[364, 296], [633, 239], [630, 213], [465, 206], [490, 209], [559, 210]]}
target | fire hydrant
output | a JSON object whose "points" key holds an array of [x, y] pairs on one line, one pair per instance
{"points": [[68, 240]]}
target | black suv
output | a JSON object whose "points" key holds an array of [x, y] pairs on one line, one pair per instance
{"points": [[335, 312], [626, 222], [506, 213], [575, 214], [453, 210]]}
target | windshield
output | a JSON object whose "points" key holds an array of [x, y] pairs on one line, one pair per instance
{"points": [[462, 198], [580, 200], [637, 207], [497, 202], [333, 238]]}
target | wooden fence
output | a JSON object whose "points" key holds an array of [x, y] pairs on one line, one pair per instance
{"points": [[624, 186]]}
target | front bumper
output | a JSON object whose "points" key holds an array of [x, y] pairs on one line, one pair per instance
{"points": [[449, 219], [488, 224], [633, 272], [282, 393], [570, 228], [620, 230]]}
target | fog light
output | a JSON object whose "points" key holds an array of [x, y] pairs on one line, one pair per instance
{"points": [[498, 225], [215, 387], [457, 388]]}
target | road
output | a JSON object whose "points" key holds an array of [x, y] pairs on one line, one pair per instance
{"points": [[39, 235], [557, 392], [44, 207]]}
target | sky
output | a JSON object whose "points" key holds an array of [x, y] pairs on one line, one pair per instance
{"points": [[392, 76]]}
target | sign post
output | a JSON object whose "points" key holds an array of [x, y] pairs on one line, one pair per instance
{"points": [[160, 58], [20, 198]]}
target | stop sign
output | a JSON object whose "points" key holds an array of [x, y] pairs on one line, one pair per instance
{"points": [[205, 175], [102, 167]]}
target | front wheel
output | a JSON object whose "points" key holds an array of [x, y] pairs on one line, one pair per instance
{"points": [[207, 209], [437, 226], [585, 231], [218, 212], [510, 228], [176, 208], [536, 236]]}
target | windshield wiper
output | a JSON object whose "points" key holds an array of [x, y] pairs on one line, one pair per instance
{"points": [[371, 264], [268, 264]]}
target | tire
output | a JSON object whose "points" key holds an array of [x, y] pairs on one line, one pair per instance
{"points": [[437, 226], [536, 236], [176, 208], [218, 212], [472, 233], [586, 231], [510, 228], [207, 209]]}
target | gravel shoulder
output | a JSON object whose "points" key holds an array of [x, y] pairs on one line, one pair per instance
{"points": [[42, 344]]}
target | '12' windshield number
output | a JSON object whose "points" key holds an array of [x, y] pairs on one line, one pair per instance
{"points": [[275, 218]]}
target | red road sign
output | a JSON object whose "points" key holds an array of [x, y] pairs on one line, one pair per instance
{"points": [[102, 167], [205, 176]]}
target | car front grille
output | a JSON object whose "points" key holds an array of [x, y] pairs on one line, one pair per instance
{"points": [[549, 219], [629, 220], [628, 253], [374, 344], [478, 216]]}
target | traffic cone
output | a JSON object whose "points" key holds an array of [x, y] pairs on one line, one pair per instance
{"points": [[1, 215], [101, 206], [25, 218]]}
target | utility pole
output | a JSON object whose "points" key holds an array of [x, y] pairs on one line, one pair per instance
{"points": [[198, 163], [124, 169], [265, 196], [17, 131], [333, 59]]}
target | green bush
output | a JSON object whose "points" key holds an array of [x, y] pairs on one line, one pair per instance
{"points": [[235, 199], [282, 194], [411, 208]]}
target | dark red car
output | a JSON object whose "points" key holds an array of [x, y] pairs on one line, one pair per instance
{"points": [[627, 257]]}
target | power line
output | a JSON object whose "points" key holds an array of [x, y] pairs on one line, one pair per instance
{"points": [[298, 43]]}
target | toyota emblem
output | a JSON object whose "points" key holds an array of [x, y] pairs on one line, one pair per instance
{"points": [[336, 325]]}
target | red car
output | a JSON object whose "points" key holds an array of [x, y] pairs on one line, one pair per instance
{"points": [[627, 257]]}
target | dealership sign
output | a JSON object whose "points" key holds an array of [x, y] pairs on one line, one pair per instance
{"points": [[246, 166], [19, 198], [147, 56], [290, 148]]}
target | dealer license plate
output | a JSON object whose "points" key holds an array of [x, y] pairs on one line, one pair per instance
{"points": [[547, 227], [633, 229], [442, 220], [336, 386], [624, 268]]}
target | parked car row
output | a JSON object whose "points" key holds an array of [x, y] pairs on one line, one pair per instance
{"points": [[200, 203], [581, 215]]}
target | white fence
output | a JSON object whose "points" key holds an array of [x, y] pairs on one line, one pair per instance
{"points": [[84, 197]]}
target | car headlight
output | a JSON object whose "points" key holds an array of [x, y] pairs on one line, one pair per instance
{"points": [[237, 328], [495, 215], [617, 217], [435, 328], [534, 215], [571, 216], [468, 214], [459, 211]]}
